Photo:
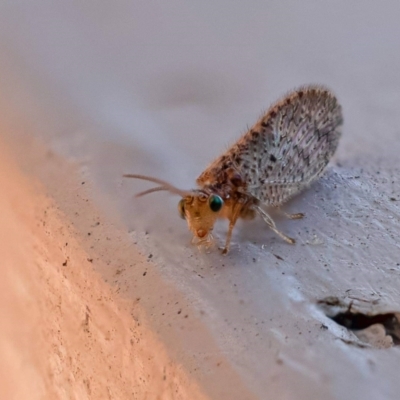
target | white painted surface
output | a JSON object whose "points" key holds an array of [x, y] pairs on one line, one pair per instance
{"points": [[160, 88]]}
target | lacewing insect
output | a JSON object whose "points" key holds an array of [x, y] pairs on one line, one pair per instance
{"points": [[283, 153]]}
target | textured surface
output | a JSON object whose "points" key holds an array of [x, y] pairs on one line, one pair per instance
{"points": [[161, 89], [64, 334]]}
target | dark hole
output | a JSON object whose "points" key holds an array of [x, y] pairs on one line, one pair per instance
{"points": [[356, 321]]}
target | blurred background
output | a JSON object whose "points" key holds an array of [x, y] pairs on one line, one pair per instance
{"points": [[162, 75]]}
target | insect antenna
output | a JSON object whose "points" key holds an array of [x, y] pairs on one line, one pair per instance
{"points": [[148, 191], [164, 185]]}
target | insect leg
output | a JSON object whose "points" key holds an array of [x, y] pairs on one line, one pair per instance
{"points": [[270, 222], [232, 222], [292, 216]]}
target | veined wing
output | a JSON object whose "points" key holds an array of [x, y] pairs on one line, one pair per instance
{"points": [[287, 149]]}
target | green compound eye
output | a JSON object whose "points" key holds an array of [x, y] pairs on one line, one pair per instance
{"points": [[181, 208], [215, 202]]}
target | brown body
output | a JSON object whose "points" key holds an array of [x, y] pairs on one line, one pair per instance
{"points": [[283, 153], [201, 218]]}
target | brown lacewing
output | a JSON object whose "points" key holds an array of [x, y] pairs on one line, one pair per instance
{"points": [[284, 152]]}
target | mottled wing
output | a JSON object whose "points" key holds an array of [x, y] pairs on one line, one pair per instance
{"points": [[287, 149]]}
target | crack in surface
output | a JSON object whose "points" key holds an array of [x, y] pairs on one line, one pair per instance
{"points": [[355, 320]]}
